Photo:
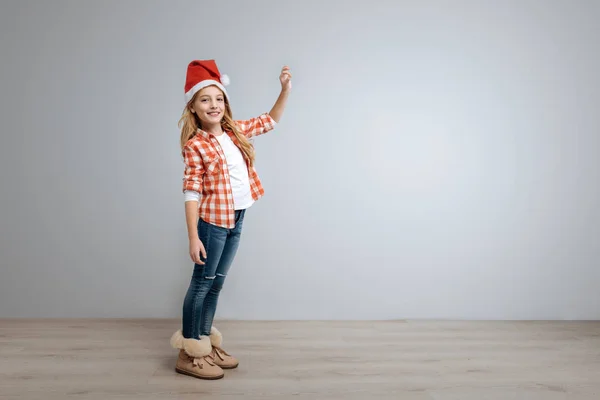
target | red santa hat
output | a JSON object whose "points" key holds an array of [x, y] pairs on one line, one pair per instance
{"points": [[203, 73]]}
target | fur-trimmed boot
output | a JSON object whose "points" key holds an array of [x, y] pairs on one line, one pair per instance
{"points": [[222, 359], [195, 357]]}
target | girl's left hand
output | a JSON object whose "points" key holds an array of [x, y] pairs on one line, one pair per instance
{"points": [[285, 78]]}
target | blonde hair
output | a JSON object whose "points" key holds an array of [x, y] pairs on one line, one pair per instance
{"points": [[189, 123]]}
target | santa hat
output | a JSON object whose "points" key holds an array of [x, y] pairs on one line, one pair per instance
{"points": [[203, 73]]}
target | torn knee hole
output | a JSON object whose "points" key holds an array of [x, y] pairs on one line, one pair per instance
{"points": [[221, 275], [209, 277]]}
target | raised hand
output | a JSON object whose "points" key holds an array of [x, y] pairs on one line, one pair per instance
{"points": [[285, 78]]}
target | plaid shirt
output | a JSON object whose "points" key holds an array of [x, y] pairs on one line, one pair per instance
{"points": [[206, 171]]}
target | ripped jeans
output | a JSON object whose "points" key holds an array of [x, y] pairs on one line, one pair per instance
{"points": [[200, 302]]}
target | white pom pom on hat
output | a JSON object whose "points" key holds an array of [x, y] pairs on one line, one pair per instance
{"points": [[225, 80]]}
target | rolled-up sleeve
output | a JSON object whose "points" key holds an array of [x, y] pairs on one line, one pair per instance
{"points": [[256, 126], [194, 169]]}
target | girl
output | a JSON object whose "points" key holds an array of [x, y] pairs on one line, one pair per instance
{"points": [[220, 184]]}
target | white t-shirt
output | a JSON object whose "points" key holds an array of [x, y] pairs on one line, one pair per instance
{"points": [[238, 175]]}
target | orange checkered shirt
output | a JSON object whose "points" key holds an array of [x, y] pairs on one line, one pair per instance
{"points": [[206, 171]]}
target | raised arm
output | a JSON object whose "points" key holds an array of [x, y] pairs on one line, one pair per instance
{"points": [[267, 121], [286, 86]]}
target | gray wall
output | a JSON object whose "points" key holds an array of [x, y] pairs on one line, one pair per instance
{"points": [[436, 159]]}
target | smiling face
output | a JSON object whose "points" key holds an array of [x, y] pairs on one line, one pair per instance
{"points": [[209, 106]]}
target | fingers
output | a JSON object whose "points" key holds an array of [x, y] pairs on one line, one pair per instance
{"points": [[195, 254], [285, 71], [285, 77], [196, 258], [196, 249]]}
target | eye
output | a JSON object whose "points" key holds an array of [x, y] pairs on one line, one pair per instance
{"points": [[220, 99]]}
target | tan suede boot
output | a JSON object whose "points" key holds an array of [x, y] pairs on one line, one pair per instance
{"points": [[221, 357], [194, 357]]}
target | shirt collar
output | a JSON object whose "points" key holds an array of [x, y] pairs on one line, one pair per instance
{"points": [[206, 135]]}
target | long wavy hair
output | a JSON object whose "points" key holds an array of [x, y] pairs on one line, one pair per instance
{"points": [[189, 123]]}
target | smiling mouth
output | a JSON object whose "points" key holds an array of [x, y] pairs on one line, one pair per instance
{"points": [[214, 114]]}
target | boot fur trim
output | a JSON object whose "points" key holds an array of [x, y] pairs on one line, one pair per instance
{"points": [[193, 347], [216, 339]]}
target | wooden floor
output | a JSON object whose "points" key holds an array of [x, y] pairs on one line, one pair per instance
{"points": [[132, 359]]}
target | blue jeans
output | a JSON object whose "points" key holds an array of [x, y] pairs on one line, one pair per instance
{"points": [[200, 302]]}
